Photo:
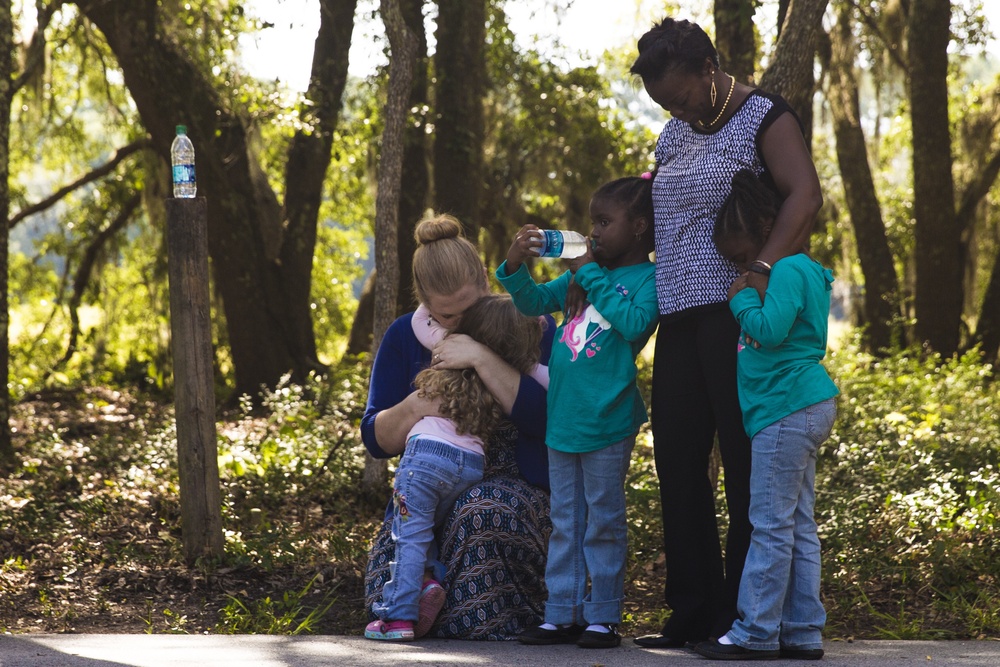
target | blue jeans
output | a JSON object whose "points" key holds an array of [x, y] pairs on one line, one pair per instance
{"points": [[589, 535], [779, 594], [430, 478]]}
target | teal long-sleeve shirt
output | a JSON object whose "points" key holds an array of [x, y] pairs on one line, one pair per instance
{"points": [[782, 342], [593, 400]]}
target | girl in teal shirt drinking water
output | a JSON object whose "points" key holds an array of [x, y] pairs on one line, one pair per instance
{"points": [[594, 408]]}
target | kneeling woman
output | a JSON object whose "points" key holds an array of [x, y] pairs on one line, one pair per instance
{"points": [[491, 548]]}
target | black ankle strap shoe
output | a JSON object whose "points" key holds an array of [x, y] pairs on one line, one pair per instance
{"points": [[597, 639], [538, 636]]}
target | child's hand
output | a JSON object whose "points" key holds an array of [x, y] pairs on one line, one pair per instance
{"points": [[757, 281], [525, 245], [576, 301], [585, 258], [739, 284]]}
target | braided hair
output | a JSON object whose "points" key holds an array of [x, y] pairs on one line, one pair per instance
{"points": [[635, 195], [750, 208]]}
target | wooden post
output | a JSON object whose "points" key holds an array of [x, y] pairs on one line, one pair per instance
{"points": [[194, 397]]}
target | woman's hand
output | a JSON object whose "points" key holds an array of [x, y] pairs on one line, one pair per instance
{"points": [[576, 301], [393, 424], [738, 285], [525, 245], [458, 351]]}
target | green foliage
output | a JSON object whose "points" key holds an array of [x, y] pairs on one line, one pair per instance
{"points": [[302, 445], [348, 213], [288, 616], [908, 496], [553, 135]]}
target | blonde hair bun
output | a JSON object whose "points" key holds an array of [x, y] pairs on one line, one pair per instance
{"points": [[437, 228], [444, 261]]}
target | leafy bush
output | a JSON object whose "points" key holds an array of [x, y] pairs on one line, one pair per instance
{"points": [[91, 532], [908, 497], [285, 616], [297, 458]]}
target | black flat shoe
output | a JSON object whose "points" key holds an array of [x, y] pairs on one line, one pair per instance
{"points": [[713, 650], [660, 641], [539, 636], [792, 653], [596, 639]]}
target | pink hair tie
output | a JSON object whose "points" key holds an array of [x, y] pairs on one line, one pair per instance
{"points": [[647, 175]]}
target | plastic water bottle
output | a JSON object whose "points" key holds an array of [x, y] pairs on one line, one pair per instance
{"points": [[562, 244], [182, 162]]}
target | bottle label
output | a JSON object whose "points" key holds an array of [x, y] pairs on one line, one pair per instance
{"points": [[553, 243], [183, 173]]}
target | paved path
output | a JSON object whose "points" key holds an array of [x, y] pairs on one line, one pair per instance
{"points": [[270, 651]]}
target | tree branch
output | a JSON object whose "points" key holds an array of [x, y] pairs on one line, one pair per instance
{"points": [[90, 177], [872, 23], [83, 273]]}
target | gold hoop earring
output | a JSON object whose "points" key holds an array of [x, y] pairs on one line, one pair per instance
{"points": [[715, 93]]}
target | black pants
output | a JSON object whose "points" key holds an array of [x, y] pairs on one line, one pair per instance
{"points": [[694, 397]]}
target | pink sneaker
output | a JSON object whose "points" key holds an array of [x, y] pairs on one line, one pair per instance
{"points": [[431, 600], [390, 631]]}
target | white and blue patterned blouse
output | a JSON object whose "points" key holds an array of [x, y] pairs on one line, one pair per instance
{"points": [[693, 178]]}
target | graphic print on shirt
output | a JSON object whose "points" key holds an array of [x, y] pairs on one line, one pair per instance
{"points": [[582, 331]]}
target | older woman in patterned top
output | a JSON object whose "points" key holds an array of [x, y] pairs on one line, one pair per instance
{"points": [[718, 126], [492, 547]]}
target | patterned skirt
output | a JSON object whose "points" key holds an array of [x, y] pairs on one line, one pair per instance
{"points": [[493, 547]]}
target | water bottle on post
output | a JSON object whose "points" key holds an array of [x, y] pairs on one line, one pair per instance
{"points": [[182, 163], [562, 244]]}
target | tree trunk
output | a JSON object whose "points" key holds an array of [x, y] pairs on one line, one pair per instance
{"points": [[258, 265], [460, 67], [988, 325], [413, 195], [782, 15], [881, 307], [7, 456], [938, 254], [734, 37], [987, 332], [416, 177], [360, 339], [403, 47], [308, 162], [790, 74]]}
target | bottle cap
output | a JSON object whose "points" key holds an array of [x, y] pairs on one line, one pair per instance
{"points": [[182, 129]]}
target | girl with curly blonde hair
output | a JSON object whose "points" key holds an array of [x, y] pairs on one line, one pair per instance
{"points": [[495, 322]]}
